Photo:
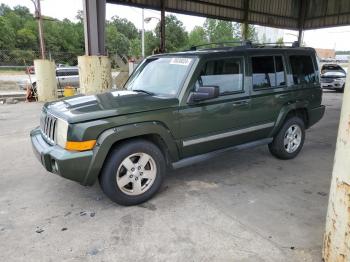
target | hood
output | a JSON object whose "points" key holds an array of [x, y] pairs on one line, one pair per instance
{"points": [[333, 74], [86, 108]]}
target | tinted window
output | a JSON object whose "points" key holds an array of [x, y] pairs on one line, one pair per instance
{"points": [[225, 73], [72, 72], [268, 71], [302, 69], [67, 72], [263, 72], [59, 73]]}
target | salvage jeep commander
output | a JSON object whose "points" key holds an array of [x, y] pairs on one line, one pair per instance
{"points": [[179, 109]]}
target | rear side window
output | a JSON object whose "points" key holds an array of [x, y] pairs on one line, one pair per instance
{"points": [[225, 73], [303, 70], [268, 72], [67, 72]]}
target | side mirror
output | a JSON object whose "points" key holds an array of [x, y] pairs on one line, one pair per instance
{"points": [[204, 93]]}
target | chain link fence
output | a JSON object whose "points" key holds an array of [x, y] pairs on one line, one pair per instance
{"points": [[20, 59]]}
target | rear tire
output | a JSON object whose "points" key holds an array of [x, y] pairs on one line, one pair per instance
{"points": [[133, 172], [289, 140]]}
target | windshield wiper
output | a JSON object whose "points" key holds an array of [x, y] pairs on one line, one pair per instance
{"points": [[143, 91]]}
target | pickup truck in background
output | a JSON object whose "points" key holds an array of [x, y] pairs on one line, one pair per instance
{"points": [[66, 76]]}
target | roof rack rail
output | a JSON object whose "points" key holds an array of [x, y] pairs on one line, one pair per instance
{"points": [[222, 44], [283, 44], [228, 44]]}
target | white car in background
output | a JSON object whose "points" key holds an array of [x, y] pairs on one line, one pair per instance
{"points": [[333, 77], [66, 76]]}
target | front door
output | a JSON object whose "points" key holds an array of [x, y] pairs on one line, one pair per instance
{"points": [[216, 123]]}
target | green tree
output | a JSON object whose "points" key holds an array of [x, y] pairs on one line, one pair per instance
{"points": [[4, 9], [197, 36], [124, 27], [176, 37], [7, 34], [135, 48], [280, 41], [151, 42], [219, 30], [26, 38], [116, 42], [252, 34]]}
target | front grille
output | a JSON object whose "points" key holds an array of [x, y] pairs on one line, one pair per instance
{"points": [[48, 127], [326, 80]]}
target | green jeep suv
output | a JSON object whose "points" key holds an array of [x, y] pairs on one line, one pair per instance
{"points": [[178, 109]]}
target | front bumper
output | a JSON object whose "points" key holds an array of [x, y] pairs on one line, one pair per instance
{"points": [[333, 85], [68, 164]]}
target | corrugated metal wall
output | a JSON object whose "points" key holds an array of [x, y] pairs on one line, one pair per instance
{"points": [[274, 13]]}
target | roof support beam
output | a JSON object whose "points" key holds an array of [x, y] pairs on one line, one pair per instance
{"points": [[301, 20], [245, 20], [94, 26], [162, 27]]}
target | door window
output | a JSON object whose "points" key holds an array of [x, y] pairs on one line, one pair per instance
{"points": [[268, 72], [227, 74], [302, 69], [67, 72]]}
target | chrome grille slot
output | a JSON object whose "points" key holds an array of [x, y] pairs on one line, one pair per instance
{"points": [[326, 80], [48, 127]]}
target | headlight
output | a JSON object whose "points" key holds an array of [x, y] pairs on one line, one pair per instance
{"points": [[61, 132], [339, 79]]}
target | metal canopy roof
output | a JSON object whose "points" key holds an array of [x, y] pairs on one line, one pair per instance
{"points": [[289, 14]]}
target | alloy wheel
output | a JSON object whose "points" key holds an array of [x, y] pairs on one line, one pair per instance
{"points": [[292, 138], [136, 174]]}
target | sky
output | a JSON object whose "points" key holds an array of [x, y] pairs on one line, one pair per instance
{"points": [[337, 37]]}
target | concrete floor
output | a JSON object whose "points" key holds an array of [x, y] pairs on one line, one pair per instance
{"points": [[244, 206]]}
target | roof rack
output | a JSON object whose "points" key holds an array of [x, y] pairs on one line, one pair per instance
{"points": [[248, 44], [284, 44], [223, 44]]}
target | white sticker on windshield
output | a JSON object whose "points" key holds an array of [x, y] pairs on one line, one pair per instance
{"points": [[180, 61]]}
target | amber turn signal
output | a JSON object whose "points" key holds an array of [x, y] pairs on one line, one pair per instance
{"points": [[80, 146]]}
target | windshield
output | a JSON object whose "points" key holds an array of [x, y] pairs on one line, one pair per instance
{"points": [[160, 76], [332, 68]]}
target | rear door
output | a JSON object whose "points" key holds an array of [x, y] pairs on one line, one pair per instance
{"points": [[305, 78], [270, 91], [216, 123]]}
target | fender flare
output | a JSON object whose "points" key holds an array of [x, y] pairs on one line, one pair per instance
{"points": [[284, 112], [111, 136]]}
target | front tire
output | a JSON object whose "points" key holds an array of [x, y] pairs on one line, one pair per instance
{"points": [[289, 140], [133, 172]]}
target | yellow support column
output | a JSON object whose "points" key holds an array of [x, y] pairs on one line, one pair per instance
{"points": [[336, 246], [46, 83], [94, 74]]}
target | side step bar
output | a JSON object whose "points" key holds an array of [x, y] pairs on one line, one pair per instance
{"points": [[203, 157]]}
